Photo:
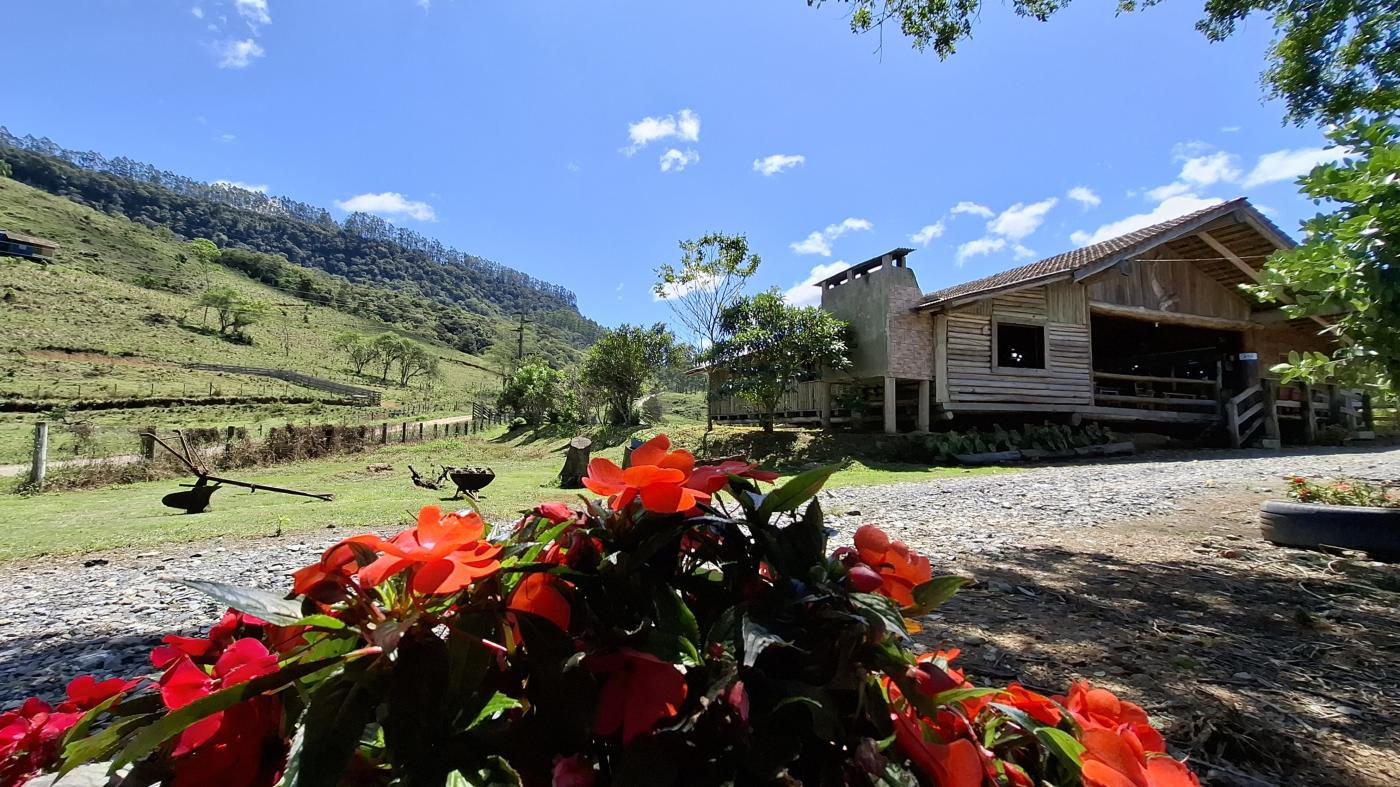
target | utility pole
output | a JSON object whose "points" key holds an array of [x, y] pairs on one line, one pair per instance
{"points": [[520, 340]]}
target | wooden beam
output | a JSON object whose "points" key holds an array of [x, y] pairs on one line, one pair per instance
{"points": [[1143, 378], [940, 358], [1247, 269], [1172, 318]]}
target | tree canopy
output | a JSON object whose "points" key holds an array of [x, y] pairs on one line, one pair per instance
{"points": [[532, 391], [621, 364], [769, 346], [234, 310], [709, 277]]}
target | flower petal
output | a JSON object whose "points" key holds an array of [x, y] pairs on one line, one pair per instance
{"points": [[652, 452]]}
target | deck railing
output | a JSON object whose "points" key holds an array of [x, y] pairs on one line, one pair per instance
{"points": [[1156, 393]]}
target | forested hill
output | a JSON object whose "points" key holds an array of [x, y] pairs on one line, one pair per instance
{"points": [[363, 249]]}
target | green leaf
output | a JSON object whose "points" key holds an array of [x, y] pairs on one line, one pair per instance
{"points": [[499, 702], [178, 720], [798, 490], [674, 616], [99, 747], [958, 695], [259, 603], [321, 622], [895, 775], [1062, 745], [880, 611], [758, 638], [340, 709], [930, 595]]}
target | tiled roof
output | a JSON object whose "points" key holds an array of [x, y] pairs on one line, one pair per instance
{"points": [[1121, 246]]}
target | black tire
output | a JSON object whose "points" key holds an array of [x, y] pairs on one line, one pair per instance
{"points": [[1373, 530]]}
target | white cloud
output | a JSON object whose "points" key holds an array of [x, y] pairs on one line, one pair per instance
{"points": [[572, 167], [979, 247], [806, 292], [928, 233], [1020, 220], [1022, 253], [820, 242], [1084, 196], [972, 208], [678, 289], [225, 138], [239, 54], [1231, 129], [390, 205], [261, 188], [255, 11], [1169, 208], [685, 126], [198, 12], [1289, 164], [776, 163], [676, 160], [425, 4], [1209, 169], [1173, 189]]}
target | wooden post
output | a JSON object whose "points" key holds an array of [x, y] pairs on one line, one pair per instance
{"points": [[420, 431], [1232, 423], [1335, 406], [148, 447], [575, 463], [383, 434], [1270, 415], [925, 405], [891, 424], [40, 466], [823, 404], [1309, 414], [403, 432]]}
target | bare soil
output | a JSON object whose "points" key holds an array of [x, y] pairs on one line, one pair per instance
{"points": [[1264, 665]]}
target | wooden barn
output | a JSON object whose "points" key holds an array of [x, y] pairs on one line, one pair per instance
{"points": [[1150, 326], [14, 244]]}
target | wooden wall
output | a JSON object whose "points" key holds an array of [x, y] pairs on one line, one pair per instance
{"points": [[804, 398], [1068, 376], [1178, 287], [1274, 342]]}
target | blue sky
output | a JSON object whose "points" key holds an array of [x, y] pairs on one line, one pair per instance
{"points": [[580, 141]]}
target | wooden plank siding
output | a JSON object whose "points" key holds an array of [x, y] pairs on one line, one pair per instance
{"points": [[1179, 287], [1067, 379], [803, 399]]}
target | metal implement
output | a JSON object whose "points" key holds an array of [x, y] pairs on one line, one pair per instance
{"points": [[469, 480], [196, 499]]}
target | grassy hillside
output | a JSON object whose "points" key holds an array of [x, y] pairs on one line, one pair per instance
{"points": [[81, 329]]}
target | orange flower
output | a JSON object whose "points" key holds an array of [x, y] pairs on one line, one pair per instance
{"points": [[900, 568], [1102, 710], [1118, 760], [444, 554], [539, 594], [954, 764], [639, 691], [712, 478], [1036, 705], [657, 474]]}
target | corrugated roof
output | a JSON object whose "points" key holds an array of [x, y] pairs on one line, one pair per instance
{"points": [[19, 237], [1124, 245]]}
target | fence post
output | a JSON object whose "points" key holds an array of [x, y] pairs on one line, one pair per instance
{"points": [[148, 447], [403, 432], [1271, 430], [420, 431], [40, 466], [383, 434], [435, 431]]}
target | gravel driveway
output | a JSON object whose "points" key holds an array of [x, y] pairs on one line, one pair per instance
{"points": [[101, 613]]}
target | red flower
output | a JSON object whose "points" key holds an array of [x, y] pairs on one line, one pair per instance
{"points": [[1114, 760], [206, 650], [540, 594], [336, 566], [954, 764], [901, 569], [1101, 709], [572, 771], [1037, 706], [712, 478], [85, 692], [242, 746], [443, 554], [557, 513], [657, 475], [639, 691], [30, 738]]}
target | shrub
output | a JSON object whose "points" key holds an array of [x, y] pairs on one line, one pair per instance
{"points": [[687, 629], [1341, 492]]}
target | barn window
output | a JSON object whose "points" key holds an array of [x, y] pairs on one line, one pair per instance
{"points": [[1020, 346]]}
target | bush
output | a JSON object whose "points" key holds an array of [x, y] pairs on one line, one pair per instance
{"points": [[688, 629], [1341, 492]]}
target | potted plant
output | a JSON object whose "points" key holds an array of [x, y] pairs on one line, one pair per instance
{"points": [[1343, 513]]}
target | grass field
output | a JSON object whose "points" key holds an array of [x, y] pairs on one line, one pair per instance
{"points": [[525, 463], [81, 329]]}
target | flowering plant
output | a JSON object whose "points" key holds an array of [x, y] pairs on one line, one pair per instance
{"points": [[1340, 492], [687, 629]]}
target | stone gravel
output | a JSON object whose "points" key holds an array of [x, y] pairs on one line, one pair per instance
{"points": [[101, 613]]}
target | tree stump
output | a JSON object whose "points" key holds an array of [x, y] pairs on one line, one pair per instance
{"points": [[575, 463]]}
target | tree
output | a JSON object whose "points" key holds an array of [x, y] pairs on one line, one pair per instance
{"points": [[712, 272], [234, 310], [358, 349], [532, 392], [1329, 58], [769, 346], [415, 361], [387, 347], [1349, 265], [619, 366], [5, 169], [203, 250]]}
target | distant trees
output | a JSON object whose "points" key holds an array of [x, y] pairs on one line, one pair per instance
{"points": [[234, 310], [387, 351], [532, 392], [770, 346], [5, 169], [619, 366], [358, 349], [203, 250]]}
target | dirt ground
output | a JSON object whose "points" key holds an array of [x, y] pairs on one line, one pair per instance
{"points": [[1264, 665]]}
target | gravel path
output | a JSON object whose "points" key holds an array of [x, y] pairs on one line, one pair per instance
{"points": [[101, 613]]}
